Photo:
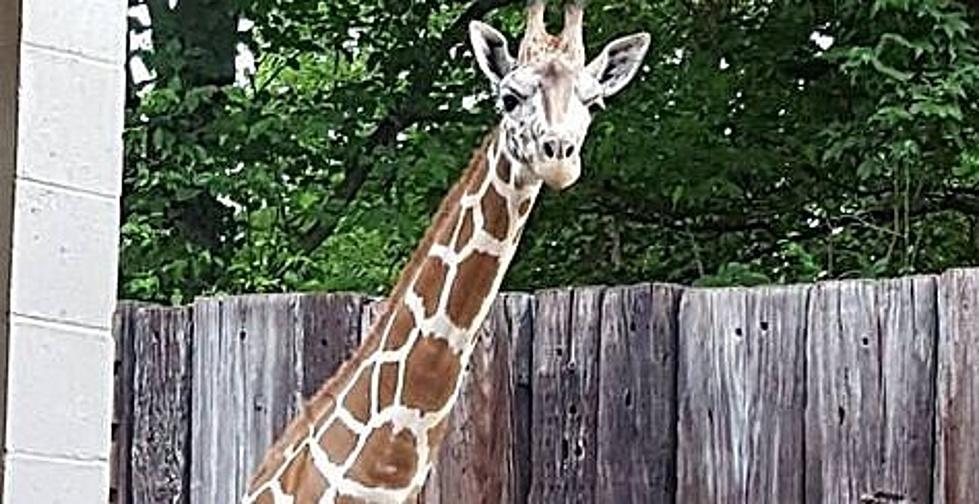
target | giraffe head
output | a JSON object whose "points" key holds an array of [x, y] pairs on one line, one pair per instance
{"points": [[547, 94]]}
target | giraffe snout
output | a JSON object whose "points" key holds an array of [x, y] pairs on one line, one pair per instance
{"points": [[557, 148]]}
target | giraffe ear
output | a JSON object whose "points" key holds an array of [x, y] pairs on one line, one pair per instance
{"points": [[619, 62], [491, 50]]}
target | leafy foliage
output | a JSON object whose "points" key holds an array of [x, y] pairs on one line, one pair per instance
{"points": [[766, 141]]}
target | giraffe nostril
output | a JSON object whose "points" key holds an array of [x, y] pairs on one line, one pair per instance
{"points": [[549, 150], [569, 151]]}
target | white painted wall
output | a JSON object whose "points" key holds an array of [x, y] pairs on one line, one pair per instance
{"points": [[63, 258]]}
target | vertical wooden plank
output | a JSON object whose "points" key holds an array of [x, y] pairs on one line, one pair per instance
{"points": [[214, 417], [874, 358], [870, 356], [637, 394], [909, 329], [520, 314], [957, 420], [552, 327], [123, 325], [269, 331], [161, 405], [247, 385], [741, 395], [565, 395], [331, 331]]}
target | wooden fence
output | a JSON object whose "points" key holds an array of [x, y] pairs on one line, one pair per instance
{"points": [[842, 392]]}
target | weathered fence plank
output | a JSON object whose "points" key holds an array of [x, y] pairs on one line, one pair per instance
{"points": [[740, 373], [637, 394], [247, 383], [520, 319], [161, 345], [260, 358], [565, 395], [870, 362], [478, 460], [123, 325], [330, 332], [957, 451]]}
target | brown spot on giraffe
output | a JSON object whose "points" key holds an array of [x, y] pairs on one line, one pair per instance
{"points": [[358, 400], [466, 231], [503, 169], [431, 373], [401, 328], [387, 384], [496, 217], [524, 207], [388, 460], [471, 286], [265, 498], [320, 408], [338, 441], [430, 282], [302, 479]]}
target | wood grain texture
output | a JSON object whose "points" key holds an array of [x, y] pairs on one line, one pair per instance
{"points": [[637, 395], [247, 385], [957, 420], [565, 395], [330, 333], [871, 359], [862, 391], [123, 327], [520, 320], [741, 395], [161, 401]]}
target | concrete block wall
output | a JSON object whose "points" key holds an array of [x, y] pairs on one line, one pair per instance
{"points": [[65, 181]]}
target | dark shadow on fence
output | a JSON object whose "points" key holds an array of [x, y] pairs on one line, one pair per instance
{"points": [[840, 392]]}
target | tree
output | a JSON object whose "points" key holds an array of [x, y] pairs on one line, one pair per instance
{"points": [[767, 141]]}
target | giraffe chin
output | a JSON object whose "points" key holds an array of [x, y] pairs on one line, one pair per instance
{"points": [[559, 175]]}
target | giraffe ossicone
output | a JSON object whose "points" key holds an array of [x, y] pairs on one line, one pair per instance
{"points": [[372, 432]]}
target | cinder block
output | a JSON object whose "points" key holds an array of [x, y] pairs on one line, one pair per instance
{"points": [[94, 28], [65, 258], [60, 391], [30, 480], [70, 121]]}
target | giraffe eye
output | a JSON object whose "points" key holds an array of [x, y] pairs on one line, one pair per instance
{"points": [[510, 102]]}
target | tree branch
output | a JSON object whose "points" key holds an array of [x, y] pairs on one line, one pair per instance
{"points": [[401, 117]]}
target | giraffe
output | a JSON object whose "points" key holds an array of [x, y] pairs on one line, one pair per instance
{"points": [[370, 434]]}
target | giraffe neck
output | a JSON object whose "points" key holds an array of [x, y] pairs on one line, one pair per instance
{"points": [[372, 431]]}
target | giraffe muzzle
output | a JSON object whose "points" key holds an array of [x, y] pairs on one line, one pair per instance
{"points": [[559, 175]]}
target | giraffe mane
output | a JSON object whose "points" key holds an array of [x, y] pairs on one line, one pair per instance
{"points": [[443, 214]]}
